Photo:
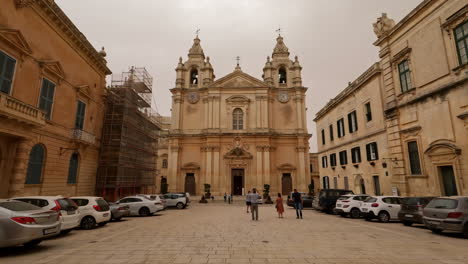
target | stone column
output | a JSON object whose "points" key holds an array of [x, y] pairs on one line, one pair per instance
{"points": [[259, 174], [209, 162], [216, 111], [216, 176], [172, 178], [298, 101], [301, 171], [176, 104], [20, 168], [207, 112], [266, 156], [258, 114]]}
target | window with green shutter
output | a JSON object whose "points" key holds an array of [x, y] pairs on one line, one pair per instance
{"points": [[461, 40], [413, 153], [47, 97], [35, 165], [7, 70], [405, 78], [80, 115], [73, 168]]}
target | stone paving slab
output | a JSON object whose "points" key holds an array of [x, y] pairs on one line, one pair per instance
{"points": [[222, 233]]}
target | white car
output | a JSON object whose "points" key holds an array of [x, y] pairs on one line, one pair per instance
{"points": [[161, 203], [140, 205], [69, 212], [179, 200], [384, 208], [93, 211], [349, 205]]}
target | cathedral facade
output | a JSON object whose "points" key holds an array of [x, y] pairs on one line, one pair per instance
{"points": [[238, 132]]}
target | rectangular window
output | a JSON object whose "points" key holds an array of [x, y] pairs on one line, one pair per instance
{"points": [[346, 183], [335, 182], [376, 185], [340, 127], [323, 136], [7, 70], [47, 97], [368, 112], [311, 168], [324, 162], [331, 132], [80, 115], [405, 78], [343, 157], [356, 155], [372, 152], [413, 153], [352, 122], [326, 182], [461, 40], [333, 160]]}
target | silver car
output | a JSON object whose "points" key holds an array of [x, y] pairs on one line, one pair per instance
{"points": [[447, 214], [26, 224]]}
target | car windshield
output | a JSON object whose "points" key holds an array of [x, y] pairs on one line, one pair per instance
{"points": [[370, 200], [18, 206], [341, 198], [443, 203]]}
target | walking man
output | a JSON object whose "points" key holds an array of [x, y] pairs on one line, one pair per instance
{"points": [[297, 199], [247, 201], [253, 198]]}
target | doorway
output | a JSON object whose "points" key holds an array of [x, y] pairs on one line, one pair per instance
{"points": [[286, 183], [362, 185], [449, 185], [190, 183], [237, 181]]}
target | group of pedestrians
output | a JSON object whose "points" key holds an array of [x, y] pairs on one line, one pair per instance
{"points": [[253, 197]]}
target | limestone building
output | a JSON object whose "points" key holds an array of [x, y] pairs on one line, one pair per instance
{"points": [[52, 84], [314, 172], [238, 132], [424, 100]]}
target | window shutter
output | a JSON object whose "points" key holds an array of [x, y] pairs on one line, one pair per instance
{"points": [[368, 152], [355, 121], [376, 151], [7, 69], [350, 123]]}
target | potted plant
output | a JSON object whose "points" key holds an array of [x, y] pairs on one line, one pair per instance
{"points": [[266, 194], [207, 190]]}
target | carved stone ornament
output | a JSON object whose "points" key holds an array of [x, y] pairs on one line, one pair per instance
{"points": [[193, 97], [283, 97], [23, 3], [383, 25]]}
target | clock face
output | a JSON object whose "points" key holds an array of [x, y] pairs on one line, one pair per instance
{"points": [[283, 97], [193, 98]]}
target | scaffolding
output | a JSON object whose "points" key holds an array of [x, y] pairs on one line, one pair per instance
{"points": [[127, 163]]}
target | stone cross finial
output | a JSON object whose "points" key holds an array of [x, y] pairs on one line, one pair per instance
{"points": [[237, 59], [279, 30], [197, 31]]}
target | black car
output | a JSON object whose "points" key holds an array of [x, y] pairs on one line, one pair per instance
{"points": [[306, 200], [327, 198], [411, 211]]}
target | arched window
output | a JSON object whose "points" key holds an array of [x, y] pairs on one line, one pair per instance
{"points": [[73, 168], [35, 165], [282, 75], [164, 163], [237, 119], [194, 76]]}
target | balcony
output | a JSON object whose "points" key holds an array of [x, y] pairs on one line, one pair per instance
{"points": [[83, 137], [15, 109]]}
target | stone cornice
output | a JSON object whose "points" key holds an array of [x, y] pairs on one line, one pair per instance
{"points": [[352, 87], [61, 22]]}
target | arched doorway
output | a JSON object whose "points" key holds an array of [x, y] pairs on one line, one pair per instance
{"points": [[190, 185], [362, 186], [286, 183]]}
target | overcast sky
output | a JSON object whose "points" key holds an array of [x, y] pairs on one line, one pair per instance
{"points": [[333, 38]]}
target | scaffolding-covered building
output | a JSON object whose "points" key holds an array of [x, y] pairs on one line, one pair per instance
{"points": [[130, 134]]}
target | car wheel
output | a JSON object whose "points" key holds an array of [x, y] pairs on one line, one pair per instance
{"points": [[407, 223], [102, 224], [436, 231], [88, 223], [465, 231], [384, 217], [355, 213], [144, 211], [180, 206], [32, 243]]}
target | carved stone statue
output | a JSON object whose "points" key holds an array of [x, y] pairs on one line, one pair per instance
{"points": [[383, 25]]}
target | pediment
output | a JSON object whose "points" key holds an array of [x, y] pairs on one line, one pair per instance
{"points": [[238, 79], [238, 99], [54, 68], [442, 147], [238, 153], [15, 39], [286, 167], [191, 166], [84, 90]]}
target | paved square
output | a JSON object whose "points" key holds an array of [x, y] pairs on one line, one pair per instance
{"points": [[221, 233]]}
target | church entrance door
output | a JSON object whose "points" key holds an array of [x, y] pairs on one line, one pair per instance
{"points": [[190, 183], [286, 183], [237, 181]]}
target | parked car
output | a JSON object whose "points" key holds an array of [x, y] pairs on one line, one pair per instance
{"points": [[306, 200], [327, 198], [447, 214], [93, 211], [349, 205], [139, 205], [26, 224], [156, 198], [68, 210], [412, 210], [179, 200], [119, 211], [384, 208]]}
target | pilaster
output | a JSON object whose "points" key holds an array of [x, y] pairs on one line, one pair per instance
{"points": [[20, 168]]}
